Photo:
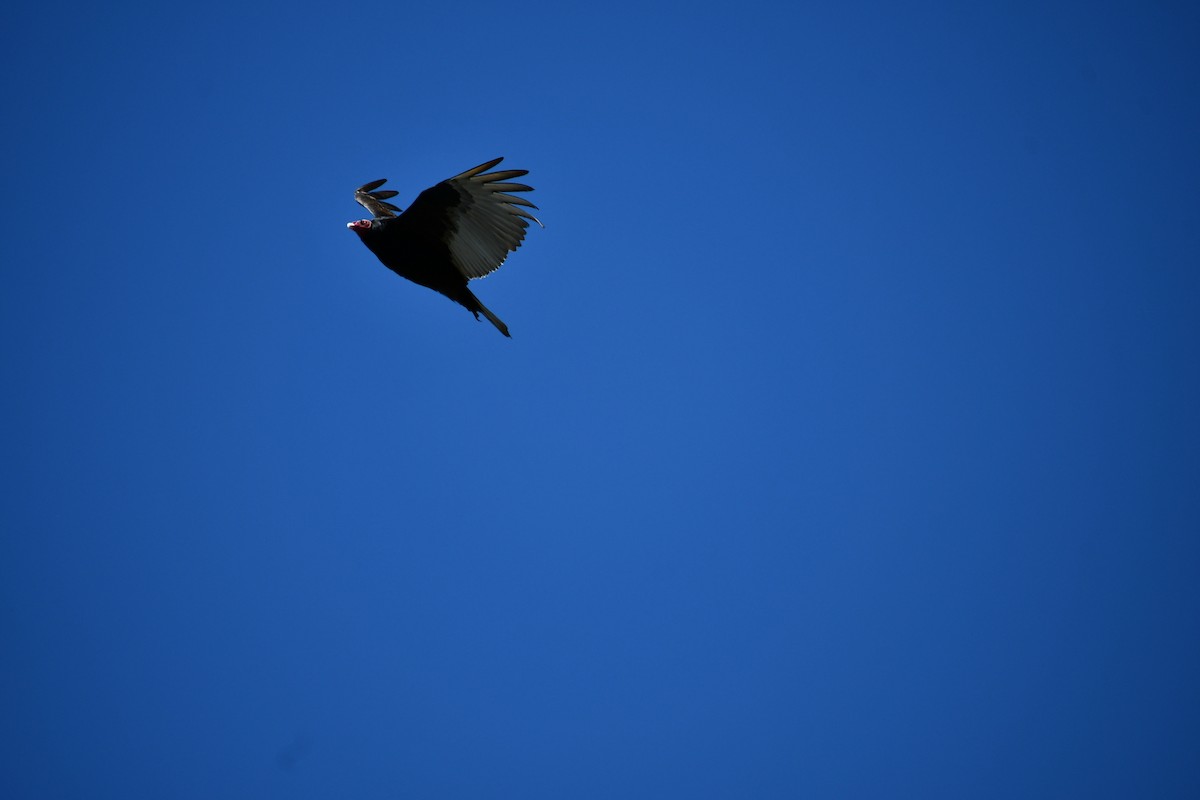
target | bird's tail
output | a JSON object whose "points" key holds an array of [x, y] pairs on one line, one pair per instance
{"points": [[478, 308]]}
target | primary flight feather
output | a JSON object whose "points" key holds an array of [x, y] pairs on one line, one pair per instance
{"points": [[461, 229]]}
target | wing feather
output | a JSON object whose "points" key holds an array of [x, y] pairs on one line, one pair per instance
{"points": [[476, 170], [472, 213], [376, 202]]}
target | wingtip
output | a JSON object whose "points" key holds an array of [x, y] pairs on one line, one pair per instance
{"points": [[484, 167], [372, 186]]}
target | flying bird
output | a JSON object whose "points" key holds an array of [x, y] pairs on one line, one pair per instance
{"points": [[461, 229]]}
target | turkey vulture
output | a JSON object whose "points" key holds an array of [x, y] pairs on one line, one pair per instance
{"points": [[461, 229]]}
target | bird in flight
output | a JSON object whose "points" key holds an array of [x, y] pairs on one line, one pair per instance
{"points": [[461, 229]]}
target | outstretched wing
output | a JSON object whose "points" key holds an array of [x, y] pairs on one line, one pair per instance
{"points": [[475, 216], [374, 201]]}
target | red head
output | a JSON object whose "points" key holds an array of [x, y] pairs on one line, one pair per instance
{"points": [[359, 225]]}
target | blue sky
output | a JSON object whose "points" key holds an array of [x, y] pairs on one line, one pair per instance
{"points": [[846, 445]]}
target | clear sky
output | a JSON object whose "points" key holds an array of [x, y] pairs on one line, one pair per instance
{"points": [[845, 447]]}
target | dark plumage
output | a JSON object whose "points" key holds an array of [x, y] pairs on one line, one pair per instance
{"points": [[461, 229]]}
